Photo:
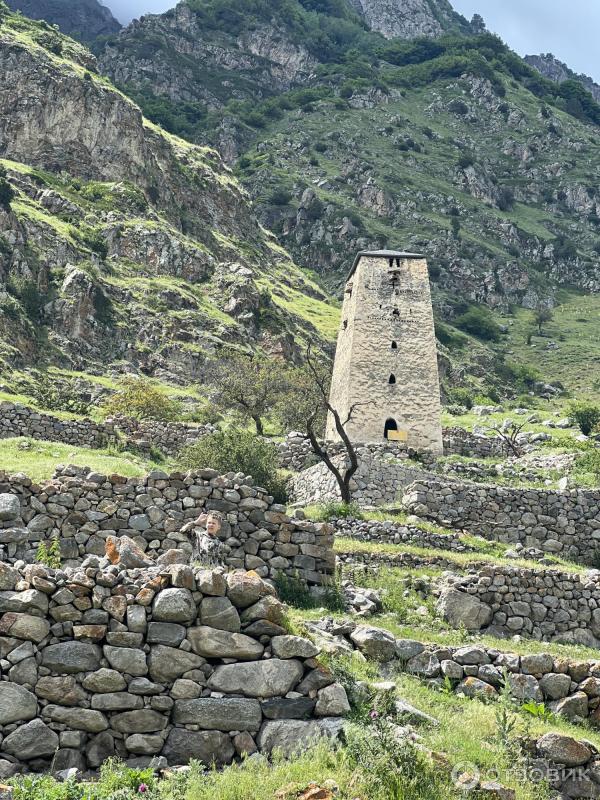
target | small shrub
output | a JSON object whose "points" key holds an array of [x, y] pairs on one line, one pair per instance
{"points": [[54, 395], [49, 555], [238, 451], [480, 323], [293, 591], [280, 197], [139, 398], [462, 397], [338, 510], [586, 415], [465, 161]]}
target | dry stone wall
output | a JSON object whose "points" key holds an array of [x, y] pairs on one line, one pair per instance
{"points": [[548, 605], [169, 662], [169, 437], [83, 511], [388, 532], [378, 481], [564, 523]]}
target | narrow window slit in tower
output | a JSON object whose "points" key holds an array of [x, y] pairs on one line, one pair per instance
{"points": [[345, 324], [392, 379], [396, 312], [394, 346]]}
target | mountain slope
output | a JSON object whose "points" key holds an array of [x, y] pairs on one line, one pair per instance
{"points": [[124, 246], [83, 19], [550, 67], [407, 19]]}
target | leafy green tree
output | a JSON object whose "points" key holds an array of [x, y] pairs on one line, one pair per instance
{"points": [[7, 193], [586, 415], [139, 398], [479, 322], [541, 316], [237, 450], [250, 387]]}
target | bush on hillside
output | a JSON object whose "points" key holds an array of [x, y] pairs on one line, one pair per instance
{"points": [[586, 415], [480, 323], [51, 394], [7, 193], [139, 398], [237, 451]]}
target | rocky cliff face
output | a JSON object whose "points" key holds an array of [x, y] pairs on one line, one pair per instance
{"points": [[553, 69], [123, 244], [408, 19], [83, 19], [179, 58]]}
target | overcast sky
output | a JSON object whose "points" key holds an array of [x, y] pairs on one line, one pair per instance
{"points": [[567, 28]]}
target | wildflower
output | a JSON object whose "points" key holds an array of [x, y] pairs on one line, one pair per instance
{"points": [[142, 788], [373, 714]]}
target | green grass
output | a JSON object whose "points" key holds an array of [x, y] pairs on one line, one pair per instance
{"points": [[39, 459]]}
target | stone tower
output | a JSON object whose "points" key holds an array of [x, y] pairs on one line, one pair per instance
{"points": [[386, 354]]}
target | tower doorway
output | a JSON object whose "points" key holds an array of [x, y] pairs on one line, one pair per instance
{"points": [[390, 425]]}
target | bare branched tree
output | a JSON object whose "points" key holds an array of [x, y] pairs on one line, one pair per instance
{"points": [[309, 412], [510, 437]]}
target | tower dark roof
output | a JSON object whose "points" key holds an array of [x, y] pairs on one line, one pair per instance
{"points": [[381, 254]]}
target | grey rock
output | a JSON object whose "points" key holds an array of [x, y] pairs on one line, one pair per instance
{"points": [[374, 643], [208, 747], [332, 701], [165, 664], [269, 678], [555, 686], [99, 749], [144, 744], [168, 633], [284, 708], [463, 610], [127, 660], [32, 740], [143, 721], [16, 703], [220, 613], [565, 750], [293, 647], [408, 714], [71, 657], [212, 643], [174, 605], [104, 680], [82, 719], [220, 714], [10, 507], [290, 736]]}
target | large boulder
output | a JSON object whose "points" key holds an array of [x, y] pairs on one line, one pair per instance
{"points": [[174, 605], [563, 750], [212, 643], [269, 678], [461, 610], [127, 660], [32, 740], [16, 703], [219, 714], [208, 747], [9, 577], [374, 643], [127, 553]]}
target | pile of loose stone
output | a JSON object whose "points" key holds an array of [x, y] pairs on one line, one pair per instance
{"points": [[569, 688], [169, 662]]}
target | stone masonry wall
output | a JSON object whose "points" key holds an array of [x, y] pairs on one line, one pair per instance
{"points": [[169, 437], [547, 605], [168, 662], [379, 479], [84, 511], [566, 523]]}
